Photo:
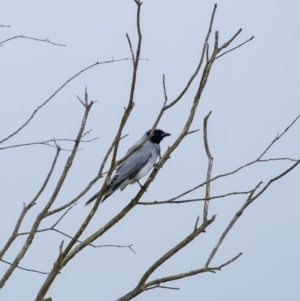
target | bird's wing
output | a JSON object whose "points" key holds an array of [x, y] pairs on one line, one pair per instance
{"points": [[131, 166]]}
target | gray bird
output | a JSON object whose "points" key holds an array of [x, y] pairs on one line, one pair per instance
{"points": [[136, 166]]}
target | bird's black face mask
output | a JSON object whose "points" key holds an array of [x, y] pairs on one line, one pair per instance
{"points": [[158, 136]]}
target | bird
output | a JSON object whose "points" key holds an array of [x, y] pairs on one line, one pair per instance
{"points": [[136, 166]]}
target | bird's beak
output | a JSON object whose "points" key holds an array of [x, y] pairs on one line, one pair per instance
{"points": [[165, 135]]}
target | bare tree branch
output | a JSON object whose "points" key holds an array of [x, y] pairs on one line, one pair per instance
{"points": [[44, 211], [161, 286], [225, 45], [243, 166], [209, 168], [174, 250], [274, 180], [134, 201], [194, 200], [47, 100], [98, 233], [165, 90], [62, 260], [52, 228], [46, 142], [278, 137], [278, 159], [207, 52], [25, 269], [30, 38], [200, 62], [82, 193], [77, 243], [191, 273], [130, 46], [142, 285], [29, 206], [235, 47], [230, 225]]}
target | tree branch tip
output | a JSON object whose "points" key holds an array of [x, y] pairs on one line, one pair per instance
{"points": [[61, 247], [131, 249], [192, 132], [196, 223]]}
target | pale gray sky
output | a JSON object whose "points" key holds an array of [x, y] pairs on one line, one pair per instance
{"points": [[253, 93]]}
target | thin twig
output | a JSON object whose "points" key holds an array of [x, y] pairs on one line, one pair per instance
{"points": [[225, 45], [52, 228], [235, 47], [161, 286], [46, 142], [192, 132], [165, 90], [196, 223], [80, 101], [25, 269], [65, 213], [194, 200], [130, 47], [30, 38], [274, 180], [192, 272], [86, 133], [278, 137], [278, 159], [230, 261]]}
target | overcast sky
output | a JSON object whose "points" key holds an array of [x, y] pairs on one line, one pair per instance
{"points": [[253, 94]]}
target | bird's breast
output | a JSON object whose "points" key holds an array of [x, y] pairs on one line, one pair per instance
{"points": [[146, 169]]}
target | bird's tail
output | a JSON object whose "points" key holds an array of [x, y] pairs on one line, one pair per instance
{"points": [[92, 199]]}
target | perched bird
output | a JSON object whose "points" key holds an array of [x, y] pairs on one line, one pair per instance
{"points": [[136, 166]]}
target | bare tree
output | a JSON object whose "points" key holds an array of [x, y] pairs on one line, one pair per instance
{"points": [[74, 243]]}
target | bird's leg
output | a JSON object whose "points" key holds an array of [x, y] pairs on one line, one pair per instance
{"points": [[142, 187]]}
